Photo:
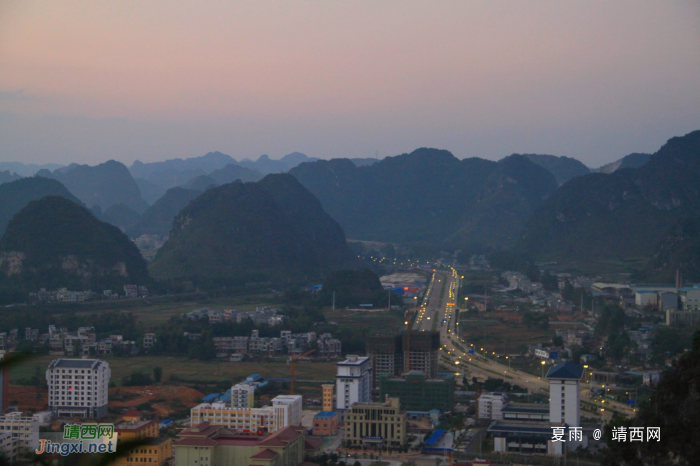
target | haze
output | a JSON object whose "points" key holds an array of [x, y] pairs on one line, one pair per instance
{"points": [[91, 81]]}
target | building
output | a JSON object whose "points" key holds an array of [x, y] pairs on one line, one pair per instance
{"points": [[149, 339], [8, 447], [491, 405], [386, 356], [690, 297], [4, 385], [376, 424], [156, 450], [327, 396], [667, 300], [644, 298], [243, 395], [78, 387], [525, 429], [353, 381], [23, 429], [688, 318], [325, 423], [284, 412], [417, 393], [424, 353], [291, 405], [208, 444], [564, 390]]}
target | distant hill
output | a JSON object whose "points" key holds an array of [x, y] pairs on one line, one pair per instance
{"points": [[231, 173], [27, 169], [201, 183], [635, 160], [265, 165], [239, 232], [158, 219], [678, 249], [105, 184], [364, 162], [121, 216], [563, 168], [620, 215], [14, 196], [149, 192], [169, 178], [7, 177], [54, 242], [205, 163], [430, 197]]}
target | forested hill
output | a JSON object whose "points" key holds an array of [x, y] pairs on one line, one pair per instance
{"points": [[430, 197], [53, 242], [620, 215], [241, 232]]}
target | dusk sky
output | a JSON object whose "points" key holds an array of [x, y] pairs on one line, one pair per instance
{"points": [[88, 81]]}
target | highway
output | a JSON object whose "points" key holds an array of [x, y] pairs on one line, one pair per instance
{"points": [[437, 313]]}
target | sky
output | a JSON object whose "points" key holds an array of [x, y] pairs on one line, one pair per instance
{"points": [[89, 81]]}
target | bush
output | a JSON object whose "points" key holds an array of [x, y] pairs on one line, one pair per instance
{"points": [[137, 379]]}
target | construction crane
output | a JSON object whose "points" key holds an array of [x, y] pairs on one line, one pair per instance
{"points": [[291, 363]]}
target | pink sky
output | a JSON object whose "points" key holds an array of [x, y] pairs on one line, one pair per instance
{"points": [[87, 81]]}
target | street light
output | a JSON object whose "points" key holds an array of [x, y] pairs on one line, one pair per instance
{"points": [[542, 370]]}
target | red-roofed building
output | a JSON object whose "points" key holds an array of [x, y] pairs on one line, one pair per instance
{"points": [[206, 444]]}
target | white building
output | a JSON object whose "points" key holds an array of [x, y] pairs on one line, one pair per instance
{"points": [[23, 429], [292, 408], [536, 436], [243, 395], [284, 412], [564, 394], [645, 298], [78, 387], [353, 382], [690, 298], [491, 404]]}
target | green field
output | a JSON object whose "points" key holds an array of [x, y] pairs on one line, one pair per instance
{"points": [[500, 337]]}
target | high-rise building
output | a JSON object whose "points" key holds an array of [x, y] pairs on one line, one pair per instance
{"points": [[78, 387], [353, 381], [327, 396], [386, 356], [243, 395], [424, 353], [564, 394], [418, 393]]}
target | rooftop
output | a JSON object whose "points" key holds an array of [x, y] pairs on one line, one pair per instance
{"points": [[565, 370], [325, 414], [74, 363]]}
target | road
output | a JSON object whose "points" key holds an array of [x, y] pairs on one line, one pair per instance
{"points": [[437, 313]]}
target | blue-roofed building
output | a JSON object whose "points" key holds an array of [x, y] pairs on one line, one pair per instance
{"points": [[528, 428], [434, 437]]}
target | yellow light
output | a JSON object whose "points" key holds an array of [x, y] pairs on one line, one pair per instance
{"points": [[543, 363]]}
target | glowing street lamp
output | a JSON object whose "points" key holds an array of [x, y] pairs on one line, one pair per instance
{"points": [[542, 369]]}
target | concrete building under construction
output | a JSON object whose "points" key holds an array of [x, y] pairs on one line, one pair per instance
{"points": [[388, 354]]}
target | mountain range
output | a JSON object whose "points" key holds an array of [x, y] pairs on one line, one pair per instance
{"points": [[619, 215], [104, 185], [241, 232], [430, 197]]}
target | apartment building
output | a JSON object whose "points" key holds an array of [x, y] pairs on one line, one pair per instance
{"points": [[78, 387]]}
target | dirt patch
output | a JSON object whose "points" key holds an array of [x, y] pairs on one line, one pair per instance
{"points": [[28, 398], [164, 399]]}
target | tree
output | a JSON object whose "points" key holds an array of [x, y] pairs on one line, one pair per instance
{"points": [[674, 406], [157, 374], [549, 281]]}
